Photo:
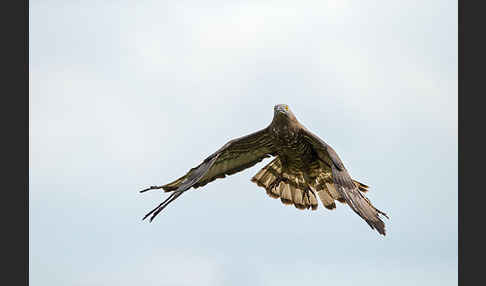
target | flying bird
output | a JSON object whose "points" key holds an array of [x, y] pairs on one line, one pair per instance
{"points": [[304, 168]]}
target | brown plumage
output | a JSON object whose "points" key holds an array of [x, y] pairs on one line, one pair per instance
{"points": [[305, 169]]}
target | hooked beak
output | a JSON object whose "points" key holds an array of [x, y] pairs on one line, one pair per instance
{"points": [[280, 109]]}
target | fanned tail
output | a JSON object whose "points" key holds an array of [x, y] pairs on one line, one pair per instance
{"points": [[290, 187]]}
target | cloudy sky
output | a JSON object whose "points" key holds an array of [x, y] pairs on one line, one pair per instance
{"points": [[128, 94]]}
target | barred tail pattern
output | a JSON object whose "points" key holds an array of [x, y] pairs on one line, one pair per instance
{"points": [[291, 188]]}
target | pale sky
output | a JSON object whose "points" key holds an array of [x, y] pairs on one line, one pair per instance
{"points": [[129, 94]]}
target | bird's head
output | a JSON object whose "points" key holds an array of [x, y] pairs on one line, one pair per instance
{"points": [[281, 108], [283, 111]]}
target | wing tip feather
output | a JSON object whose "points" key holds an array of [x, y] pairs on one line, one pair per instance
{"points": [[330, 206]]}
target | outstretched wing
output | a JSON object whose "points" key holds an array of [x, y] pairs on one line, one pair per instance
{"points": [[236, 155], [344, 185]]}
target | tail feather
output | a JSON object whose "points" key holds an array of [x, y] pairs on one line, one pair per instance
{"points": [[291, 188], [286, 197], [326, 199]]}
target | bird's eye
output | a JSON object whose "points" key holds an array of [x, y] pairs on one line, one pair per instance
{"points": [[287, 107]]}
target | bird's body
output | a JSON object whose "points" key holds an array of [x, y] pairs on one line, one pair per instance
{"points": [[304, 168], [286, 135]]}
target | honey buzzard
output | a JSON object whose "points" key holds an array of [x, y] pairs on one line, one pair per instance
{"points": [[304, 168]]}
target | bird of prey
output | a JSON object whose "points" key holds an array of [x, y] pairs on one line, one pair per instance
{"points": [[304, 168]]}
